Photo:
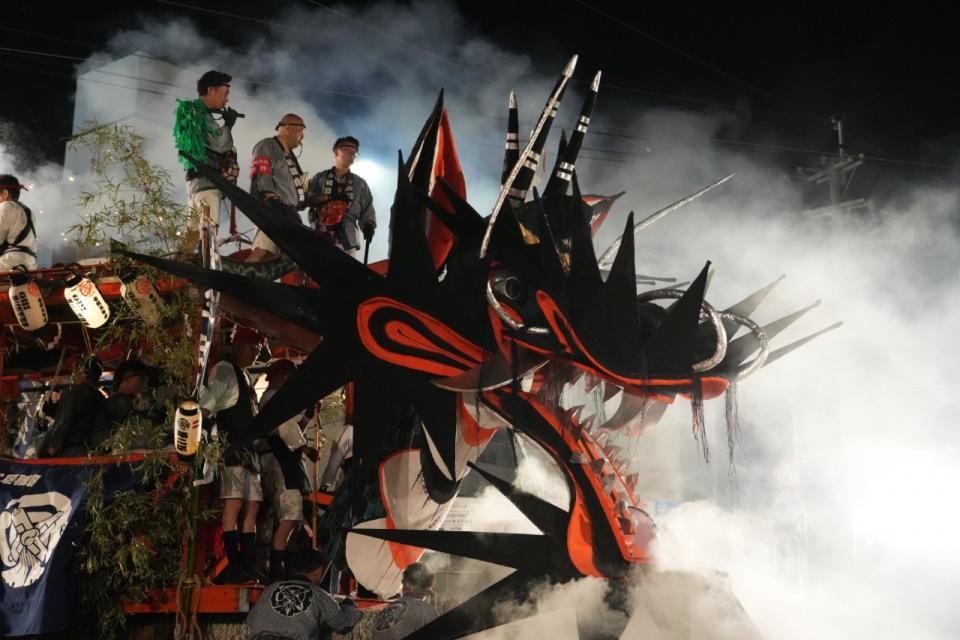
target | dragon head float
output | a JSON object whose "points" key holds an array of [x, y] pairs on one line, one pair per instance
{"points": [[477, 323]]}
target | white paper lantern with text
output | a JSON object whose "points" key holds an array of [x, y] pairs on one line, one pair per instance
{"points": [[86, 302], [186, 429], [27, 302], [142, 296]]}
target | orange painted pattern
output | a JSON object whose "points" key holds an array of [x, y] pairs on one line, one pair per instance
{"points": [[469, 354]]}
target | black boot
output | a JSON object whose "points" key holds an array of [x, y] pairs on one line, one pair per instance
{"points": [[233, 573], [248, 556], [278, 560]]}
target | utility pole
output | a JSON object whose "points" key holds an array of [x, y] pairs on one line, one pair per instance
{"points": [[837, 172]]}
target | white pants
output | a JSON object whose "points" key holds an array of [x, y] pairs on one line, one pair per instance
{"points": [[208, 202]]}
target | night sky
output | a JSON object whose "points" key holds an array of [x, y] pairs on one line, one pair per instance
{"points": [[888, 73]]}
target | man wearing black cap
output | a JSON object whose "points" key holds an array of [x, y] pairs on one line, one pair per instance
{"points": [[276, 176], [18, 239], [208, 118], [343, 204], [80, 413], [125, 403]]}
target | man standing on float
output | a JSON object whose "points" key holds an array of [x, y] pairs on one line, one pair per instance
{"points": [[198, 132], [343, 204], [276, 177]]}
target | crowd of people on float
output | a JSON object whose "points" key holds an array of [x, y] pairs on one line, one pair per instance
{"points": [[339, 203], [80, 418]]}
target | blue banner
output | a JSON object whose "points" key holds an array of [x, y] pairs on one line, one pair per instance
{"points": [[40, 525]]}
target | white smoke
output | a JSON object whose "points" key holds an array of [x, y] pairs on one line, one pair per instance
{"points": [[863, 416], [49, 197]]}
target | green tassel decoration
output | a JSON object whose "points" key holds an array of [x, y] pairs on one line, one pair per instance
{"points": [[190, 128]]}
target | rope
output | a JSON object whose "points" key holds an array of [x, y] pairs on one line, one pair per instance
{"points": [[188, 628], [86, 337], [181, 618], [195, 609]]}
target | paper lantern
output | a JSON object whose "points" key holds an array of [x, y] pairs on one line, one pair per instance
{"points": [[26, 301], [86, 302], [143, 298], [186, 429]]}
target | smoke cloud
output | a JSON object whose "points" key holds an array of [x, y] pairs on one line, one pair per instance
{"points": [[836, 521]]}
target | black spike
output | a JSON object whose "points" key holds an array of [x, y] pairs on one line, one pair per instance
{"points": [[449, 220], [419, 166], [303, 306], [576, 186], [438, 411], [512, 150], [549, 518], [747, 306], [478, 613], [584, 285], [620, 290], [411, 264], [557, 186], [331, 365], [740, 349], [375, 411], [670, 347], [567, 161], [520, 186], [530, 552], [610, 389], [782, 351], [470, 221]]}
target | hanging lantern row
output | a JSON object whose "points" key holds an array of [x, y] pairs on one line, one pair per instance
{"points": [[85, 300]]}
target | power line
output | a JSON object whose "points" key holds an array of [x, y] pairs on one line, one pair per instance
{"points": [[714, 103], [36, 34], [60, 64], [42, 53], [613, 132], [911, 162], [683, 53], [247, 81]]}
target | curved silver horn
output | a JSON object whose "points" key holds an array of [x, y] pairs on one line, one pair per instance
{"points": [[707, 312], [762, 338]]}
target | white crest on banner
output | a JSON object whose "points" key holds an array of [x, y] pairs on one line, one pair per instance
{"points": [[30, 528]]}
